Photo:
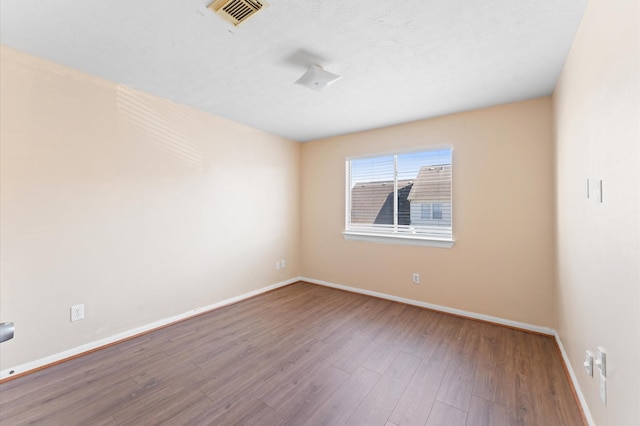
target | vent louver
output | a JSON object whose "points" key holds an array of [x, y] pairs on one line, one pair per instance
{"points": [[237, 11]]}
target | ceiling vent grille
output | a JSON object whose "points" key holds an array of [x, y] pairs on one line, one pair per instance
{"points": [[237, 11]]}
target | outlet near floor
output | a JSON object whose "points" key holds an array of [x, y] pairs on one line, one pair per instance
{"points": [[416, 278], [77, 312]]}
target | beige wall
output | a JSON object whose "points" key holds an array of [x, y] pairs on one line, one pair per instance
{"points": [[137, 207], [597, 118], [140, 209], [503, 261]]}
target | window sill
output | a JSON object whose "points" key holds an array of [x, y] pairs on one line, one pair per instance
{"points": [[410, 240]]}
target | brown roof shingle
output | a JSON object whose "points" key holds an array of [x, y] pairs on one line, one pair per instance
{"points": [[433, 185], [369, 199]]}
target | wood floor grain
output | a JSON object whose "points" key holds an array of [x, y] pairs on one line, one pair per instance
{"points": [[306, 355]]}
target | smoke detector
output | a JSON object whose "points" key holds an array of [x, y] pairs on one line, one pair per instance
{"points": [[317, 78], [237, 11]]}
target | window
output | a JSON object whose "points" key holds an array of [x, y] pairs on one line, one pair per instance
{"points": [[401, 198], [436, 211], [431, 211], [425, 211]]}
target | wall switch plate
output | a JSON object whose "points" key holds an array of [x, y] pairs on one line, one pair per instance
{"points": [[588, 363], [597, 190], [77, 312], [588, 194], [601, 361], [600, 191], [416, 278]]}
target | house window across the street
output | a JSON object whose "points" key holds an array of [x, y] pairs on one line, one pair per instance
{"points": [[431, 211], [401, 198], [425, 210]]}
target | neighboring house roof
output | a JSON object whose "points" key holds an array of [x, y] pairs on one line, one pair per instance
{"points": [[370, 201], [433, 185]]}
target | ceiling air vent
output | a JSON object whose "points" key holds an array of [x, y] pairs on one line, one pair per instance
{"points": [[237, 11]]}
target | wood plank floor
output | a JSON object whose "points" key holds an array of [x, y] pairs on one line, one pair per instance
{"points": [[306, 355]]}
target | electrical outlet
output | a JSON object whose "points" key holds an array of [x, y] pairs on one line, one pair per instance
{"points": [[77, 312], [416, 278], [283, 264], [277, 265], [603, 389]]}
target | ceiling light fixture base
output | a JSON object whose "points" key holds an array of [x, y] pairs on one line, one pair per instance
{"points": [[317, 78]]}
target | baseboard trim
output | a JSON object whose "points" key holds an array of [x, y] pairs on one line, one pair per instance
{"points": [[30, 367], [459, 312], [586, 414], [582, 403], [39, 364]]}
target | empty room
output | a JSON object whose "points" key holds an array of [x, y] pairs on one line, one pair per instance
{"points": [[248, 212]]}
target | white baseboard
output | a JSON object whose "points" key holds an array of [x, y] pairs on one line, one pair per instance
{"points": [[42, 362], [459, 312], [51, 359], [574, 381], [473, 315]]}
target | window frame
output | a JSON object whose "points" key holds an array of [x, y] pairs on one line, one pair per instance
{"points": [[349, 233]]}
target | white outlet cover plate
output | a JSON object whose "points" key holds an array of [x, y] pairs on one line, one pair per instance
{"points": [[77, 312], [603, 389]]}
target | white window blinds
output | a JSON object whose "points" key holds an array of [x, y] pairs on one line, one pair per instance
{"points": [[407, 195]]}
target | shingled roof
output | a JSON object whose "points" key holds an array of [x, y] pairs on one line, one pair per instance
{"points": [[433, 185], [372, 202]]}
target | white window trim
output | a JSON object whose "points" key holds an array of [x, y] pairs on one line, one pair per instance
{"points": [[391, 238], [410, 240]]}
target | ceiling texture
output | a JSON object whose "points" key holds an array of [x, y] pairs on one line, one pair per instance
{"points": [[400, 60]]}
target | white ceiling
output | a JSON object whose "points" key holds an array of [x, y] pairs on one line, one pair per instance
{"points": [[400, 60]]}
